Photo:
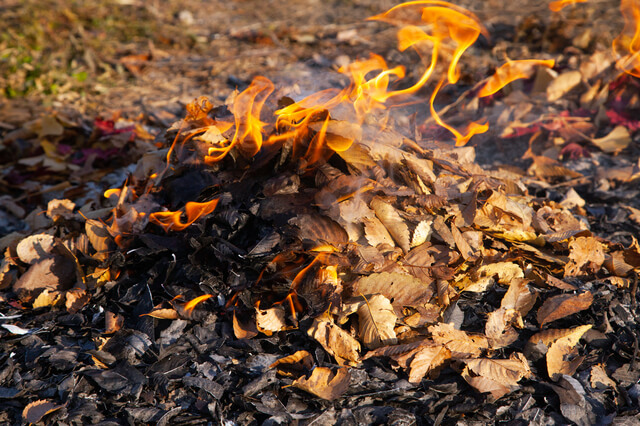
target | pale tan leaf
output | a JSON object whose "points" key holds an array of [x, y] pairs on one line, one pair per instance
{"points": [[422, 233], [461, 344], [165, 313], [336, 341], [549, 336], [426, 360], [563, 84], [393, 222], [586, 257], [377, 322], [401, 289], [76, 299], [47, 297], [395, 351], [485, 385], [57, 209], [270, 320], [35, 411], [462, 244], [519, 296], [617, 140], [499, 327], [34, 247], [244, 327], [376, 233], [563, 358], [508, 371], [99, 238], [112, 322], [324, 383], [563, 305], [294, 365], [599, 379], [483, 278]]}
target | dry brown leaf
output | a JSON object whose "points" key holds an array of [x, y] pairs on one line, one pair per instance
{"points": [[324, 383], [563, 84], [338, 342], [55, 273], [112, 322], [376, 233], [547, 337], [99, 238], [76, 299], [519, 296], [617, 140], [57, 209], [599, 379], [586, 257], [377, 322], [166, 313], [462, 244], [563, 358], [319, 228], [36, 410], [427, 359], [422, 233], [401, 289], [393, 222], [507, 371], [483, 278], [270, 320], [499, 327], [485, 385], [244, 328], [563, 305], [47, 298], [294, 365], [461, 344], [35, 247]]}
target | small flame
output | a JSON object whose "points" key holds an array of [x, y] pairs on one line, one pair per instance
{"points": [[172, 220], [191, 304], [627, 44], [511, 71], [557, 6]]}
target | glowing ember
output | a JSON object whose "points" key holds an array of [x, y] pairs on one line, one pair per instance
{"points": [[627, 44], [511, 71], [172, 220], [558, 5]]}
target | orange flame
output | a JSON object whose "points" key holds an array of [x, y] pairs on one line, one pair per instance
{"points": [[191, 304], [511, 71], [627, 44], [557, 6], [172, 220]]}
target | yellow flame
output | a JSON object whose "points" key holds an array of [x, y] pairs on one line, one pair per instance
{"points": [[191, 304], [172, 220], [627, 44], [557, 6]]}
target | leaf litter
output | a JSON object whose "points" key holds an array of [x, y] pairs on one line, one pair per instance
{"points": [[377, 248]]}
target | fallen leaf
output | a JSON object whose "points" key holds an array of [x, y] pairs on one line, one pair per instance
{"points": [[563, 357], [112, 322], [47, 298], [377, 322], [485, 385], [76, 299], [57, 209], [376, 233], [617, 140], [165, 313], [507, 371], [499, 327], [36, 410], [324, 383], [393, 222], [270, 320], [294, 365], [244, 327], [461, 344], [35, 247], [563, 84], [519, 296], [586, 257], [427, 359], [563, 305], [401, 289], [336, 341], [547, 337], [599, 378]]}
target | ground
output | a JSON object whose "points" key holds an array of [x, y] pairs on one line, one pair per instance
{"points": [[96, 314]]}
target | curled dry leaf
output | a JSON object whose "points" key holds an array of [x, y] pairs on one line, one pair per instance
{"points": [[76, 299], [499, 327], [376, 233], [35, 247], [563, 357], [393, 222], [270, 320], [485, 385], [244, 327], [47, 298], [338, 342], [377, 322], [294, 365], [563, 305], [112, 322], [547, 337], [324, 383], [461, 344], [400, 289], [519, 296], [36, 410], [599, 378], [485, 276], [586, 257], [507, 371], [422, 233], [163, 313], [617, 140], [57, 209], [427, 359]]}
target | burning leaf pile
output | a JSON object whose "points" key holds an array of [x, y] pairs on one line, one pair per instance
{"points": [[318, 247]]}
